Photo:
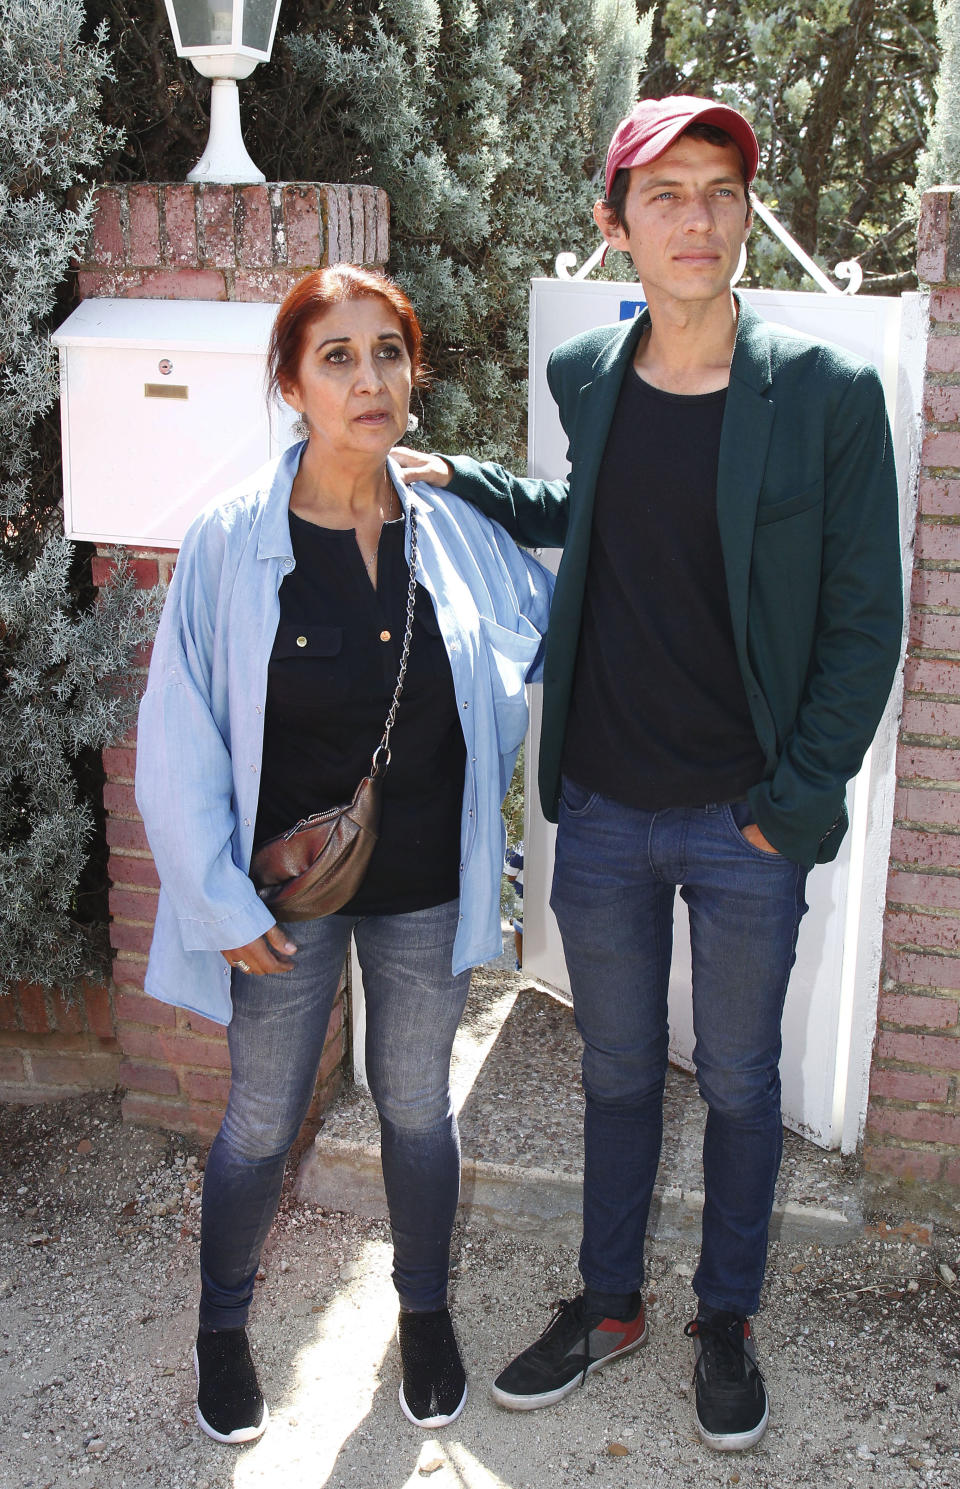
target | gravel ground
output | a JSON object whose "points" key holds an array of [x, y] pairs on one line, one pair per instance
{"points": [[98, 1257]]}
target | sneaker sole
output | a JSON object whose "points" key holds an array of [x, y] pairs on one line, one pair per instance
{"points": [[550, 1398], [439, 1421], [239, 1434], [735, 1442]]}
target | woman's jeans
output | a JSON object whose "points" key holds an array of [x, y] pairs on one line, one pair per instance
{"points": [[615, 878], [276, 1036]]}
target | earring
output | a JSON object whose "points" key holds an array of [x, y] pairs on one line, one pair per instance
{"points": [[413, 420], [300, 429]]}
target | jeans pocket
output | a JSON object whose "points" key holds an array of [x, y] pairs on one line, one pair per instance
{"points": [[575, 800], [738, 816]]}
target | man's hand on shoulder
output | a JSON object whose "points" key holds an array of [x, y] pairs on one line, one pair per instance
{"points": [[415, 465]]}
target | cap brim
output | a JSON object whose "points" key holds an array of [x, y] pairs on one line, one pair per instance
{"points": [[649, 149]]}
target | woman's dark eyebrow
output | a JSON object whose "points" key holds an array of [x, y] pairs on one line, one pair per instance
{"points": [[341, 340]]}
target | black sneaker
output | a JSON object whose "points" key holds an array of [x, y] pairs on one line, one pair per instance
{"points": [[230, 1404], [732, 1407], [574, 1344], [434, 1386]]}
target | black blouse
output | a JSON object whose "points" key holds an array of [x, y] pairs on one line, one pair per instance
{"points": [[331, 677]]}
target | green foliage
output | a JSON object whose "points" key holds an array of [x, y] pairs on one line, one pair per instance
{"points": [[62, 661], [49, 90], [486, 123], [513, 804], [63, 695], [940, 162], [838, 93]]}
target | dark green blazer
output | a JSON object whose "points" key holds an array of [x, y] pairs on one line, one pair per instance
{"points": [[809, 528]]}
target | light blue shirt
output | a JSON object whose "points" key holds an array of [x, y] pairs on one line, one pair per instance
{"points": [[200, 736]]}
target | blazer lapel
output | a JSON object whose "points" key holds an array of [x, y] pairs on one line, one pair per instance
{"points": [[597, 401], [744, 441]]}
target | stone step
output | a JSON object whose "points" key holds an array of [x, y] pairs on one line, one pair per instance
{"points": [[515, 1078]]}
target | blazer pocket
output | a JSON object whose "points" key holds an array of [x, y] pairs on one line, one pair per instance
{"points": [[778, 511], [509, 657]]}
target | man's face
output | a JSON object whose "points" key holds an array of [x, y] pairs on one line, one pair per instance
{"points": [[686, 218]]}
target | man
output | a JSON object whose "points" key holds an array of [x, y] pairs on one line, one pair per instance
{"points": [[725, 630]]}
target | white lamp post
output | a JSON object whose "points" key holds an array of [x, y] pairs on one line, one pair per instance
{"points": [[224, 39]]}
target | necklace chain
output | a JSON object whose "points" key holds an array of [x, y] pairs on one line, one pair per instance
{"points": [[368, 563]]}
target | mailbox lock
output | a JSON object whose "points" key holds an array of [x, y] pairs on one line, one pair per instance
{"points": [[165, 366]]}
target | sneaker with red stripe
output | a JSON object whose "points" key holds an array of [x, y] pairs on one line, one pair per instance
{"points": [[574, 1344], [732, 1406]]}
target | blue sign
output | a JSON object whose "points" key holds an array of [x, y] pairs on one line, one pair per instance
{"points": [[630, 309]]}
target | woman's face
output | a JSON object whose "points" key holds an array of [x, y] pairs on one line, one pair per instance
{"points": [[353, 383]]}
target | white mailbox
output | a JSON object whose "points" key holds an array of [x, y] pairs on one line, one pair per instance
{"points": [[163, 406]]}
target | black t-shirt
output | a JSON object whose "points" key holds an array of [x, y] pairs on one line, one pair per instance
{"points": [[331, 677], [658, 715]]}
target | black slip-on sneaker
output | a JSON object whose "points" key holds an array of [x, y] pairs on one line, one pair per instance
{"points": [[230, 1404]]}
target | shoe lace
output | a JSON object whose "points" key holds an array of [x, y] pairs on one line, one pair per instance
{"points": [[568, 1325], [723, 1356]]}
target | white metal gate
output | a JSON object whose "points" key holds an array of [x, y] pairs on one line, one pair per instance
{"points": [[830, 1014]]}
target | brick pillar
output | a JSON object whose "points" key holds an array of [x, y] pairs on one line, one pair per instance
{"points": [[175, 242], [913, 1119]]}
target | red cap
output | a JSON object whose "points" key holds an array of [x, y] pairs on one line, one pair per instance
{"points": [[655, 123]]}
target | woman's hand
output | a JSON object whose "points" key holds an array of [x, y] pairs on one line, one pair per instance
{"points": [[269, 953], [417, 466]]}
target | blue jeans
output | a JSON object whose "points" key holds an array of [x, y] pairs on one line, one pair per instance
{"points": [[276, 1036], [616, 874]]}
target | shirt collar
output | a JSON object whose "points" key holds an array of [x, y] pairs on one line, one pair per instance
{"points": [[275, 528]]}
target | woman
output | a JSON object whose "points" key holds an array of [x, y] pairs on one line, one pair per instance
{"points": [[273, 668]]}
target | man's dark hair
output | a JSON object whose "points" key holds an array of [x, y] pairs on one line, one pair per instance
{"points": [[615, 202]]}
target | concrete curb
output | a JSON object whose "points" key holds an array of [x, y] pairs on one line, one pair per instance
{"points": [[343, 1174]]}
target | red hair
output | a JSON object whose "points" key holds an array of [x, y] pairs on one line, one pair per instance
{"points": [[313, 295]]}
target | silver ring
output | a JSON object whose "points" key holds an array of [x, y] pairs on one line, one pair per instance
{"points": [[242, 965]]}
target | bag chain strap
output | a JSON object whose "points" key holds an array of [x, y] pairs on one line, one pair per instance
{"points": [[379, 764]]}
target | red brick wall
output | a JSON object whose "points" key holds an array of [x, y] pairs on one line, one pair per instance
{"points": [[913, 1120], [184, 242], [175, 241], [50, 1049]]}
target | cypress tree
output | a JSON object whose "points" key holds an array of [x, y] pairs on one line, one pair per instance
{"points": [[63, 656], [940, 163]]}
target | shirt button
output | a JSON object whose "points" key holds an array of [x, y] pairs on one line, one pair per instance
{"points": [[466, 705], [246, 821], [384, 635], [301, 640]]}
